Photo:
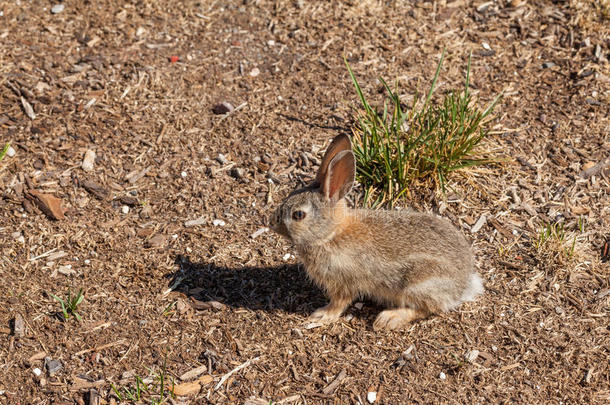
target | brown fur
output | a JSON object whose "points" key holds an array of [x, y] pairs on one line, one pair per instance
{"points": [[417, 264]]}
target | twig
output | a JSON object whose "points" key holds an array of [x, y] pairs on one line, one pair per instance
{"points": [[239, 107], [45, 254], [102, 347], [235, 370], [330, 388]]}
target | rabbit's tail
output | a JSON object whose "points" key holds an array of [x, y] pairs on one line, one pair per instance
{"points": [[474, 288]]}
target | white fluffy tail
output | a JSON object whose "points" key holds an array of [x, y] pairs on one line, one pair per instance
{"points": [[474, 288]]}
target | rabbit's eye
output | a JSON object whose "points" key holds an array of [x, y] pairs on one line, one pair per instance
{"points": [[298, 215]]}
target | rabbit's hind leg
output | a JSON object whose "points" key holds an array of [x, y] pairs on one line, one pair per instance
{"points": [[398, 318]]}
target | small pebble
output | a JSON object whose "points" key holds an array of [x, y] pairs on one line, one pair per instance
{"points": [[66, 270], [37, 372], [486, 46], [286, 257], [10, 152], [88, 160], [218, 222], [223, 108], [183, 175], [237, 172], [53, 366], [359, 305], [87, 261], [442, 376], [125, 209], [58, 8], [222, 159], [371, 397], [255, 72], [271, 42], [156, 241], [175, 236], [472, 355]]}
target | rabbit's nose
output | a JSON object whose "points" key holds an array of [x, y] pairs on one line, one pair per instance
{"points": [[276, 218]]}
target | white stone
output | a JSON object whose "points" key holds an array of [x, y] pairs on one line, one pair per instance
{"points": [[58, 8], [10, 152], [88, 160], [183, 174], [286, 257], [371, 397], [37, 372], [442, 376], [218, 222], [125, 209]]}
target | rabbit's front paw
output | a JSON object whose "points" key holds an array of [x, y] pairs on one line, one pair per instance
{"points": [[325, 314]]}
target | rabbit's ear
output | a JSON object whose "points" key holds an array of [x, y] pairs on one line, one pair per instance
{"points": [[339, 144], [339, 176]]}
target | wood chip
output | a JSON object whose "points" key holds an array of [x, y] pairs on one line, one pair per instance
{"points": [[83, 384], [18, 326], [156, 241], [36, 357], [200, 305], [188, 388], [205, 379], [49, 204], [95, 189], [195, 222], [27, 107], [94, 397], [136, 175], [595, 169], [332, 387], [194, 373], [256, 401], [509, 367], [477, 227]]}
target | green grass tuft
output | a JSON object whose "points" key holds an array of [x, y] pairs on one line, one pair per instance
{"points": [[400, 146], [157, 392], [70, 304], [4, 150]]}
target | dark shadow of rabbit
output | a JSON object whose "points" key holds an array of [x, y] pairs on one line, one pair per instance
{"points": [[283, 288]]}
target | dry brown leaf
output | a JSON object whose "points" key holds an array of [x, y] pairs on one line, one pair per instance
{"points": [[49, 204]]}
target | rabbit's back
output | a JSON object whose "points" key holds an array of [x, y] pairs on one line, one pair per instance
{"points": [[379, 253]]}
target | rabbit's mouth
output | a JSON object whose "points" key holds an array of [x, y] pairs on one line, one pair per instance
{"points": [[280, 228], [276, 223]]}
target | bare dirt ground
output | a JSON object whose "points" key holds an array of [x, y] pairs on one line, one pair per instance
{"points": [[100, 76]]}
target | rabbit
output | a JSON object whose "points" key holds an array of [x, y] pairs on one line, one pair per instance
{"points": [[416, 264]]}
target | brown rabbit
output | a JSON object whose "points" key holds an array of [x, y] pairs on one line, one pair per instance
{"points": [[417, 264]]}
